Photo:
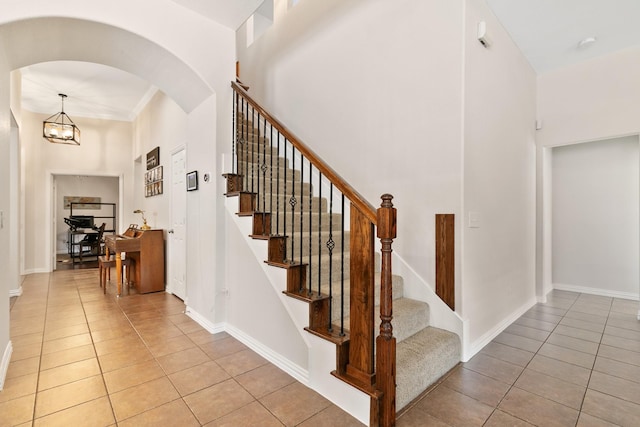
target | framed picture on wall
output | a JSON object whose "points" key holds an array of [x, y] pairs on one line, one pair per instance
{"points": [[192, 181]]}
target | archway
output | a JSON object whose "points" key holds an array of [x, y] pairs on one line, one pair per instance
{"points": [[47, 39], [138, 43]]}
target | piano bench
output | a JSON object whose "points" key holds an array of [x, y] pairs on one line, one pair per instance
{"points": [[104, 269]]}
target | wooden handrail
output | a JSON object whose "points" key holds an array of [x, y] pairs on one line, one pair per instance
{"points": [[349, 192]]}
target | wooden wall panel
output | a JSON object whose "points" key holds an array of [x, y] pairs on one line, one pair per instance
{"points": [[445, 258]]}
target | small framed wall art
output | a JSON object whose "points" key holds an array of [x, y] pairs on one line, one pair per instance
{"points": [[153, 182], [192, 181]]}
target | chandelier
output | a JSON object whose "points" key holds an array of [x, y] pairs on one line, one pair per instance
{"points": [[60, 129]]}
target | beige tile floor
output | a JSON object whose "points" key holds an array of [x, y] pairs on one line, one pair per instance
{"points": [[574, 361], [82, 358]]}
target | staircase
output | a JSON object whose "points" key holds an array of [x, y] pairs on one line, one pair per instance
{"points": [[299, 210]]}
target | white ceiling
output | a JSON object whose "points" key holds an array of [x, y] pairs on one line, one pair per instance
{"points": [[92, 90], [547, 32], [230, 13]]}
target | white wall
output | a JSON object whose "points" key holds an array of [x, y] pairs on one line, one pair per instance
{"points": [[161, 123], [250, 294], [405, 88], [85, 186], [590, 101], [6, 244], [205, 222], [379, 82], [498, 277], [105, 150], [164, 124], [16, 256], [595, 217], [15, 280]]}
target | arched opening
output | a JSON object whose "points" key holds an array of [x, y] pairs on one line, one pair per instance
{"points": [[170, 68], [76, 39], [50, 39]]}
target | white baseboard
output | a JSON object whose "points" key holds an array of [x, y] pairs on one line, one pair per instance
{"points": [[15, 292], [36, 271], [4, 363], [485, 339], [297, 372], [597, 291], [212, 328]]}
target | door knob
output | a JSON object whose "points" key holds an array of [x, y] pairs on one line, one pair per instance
{"points": [[170, 231]]}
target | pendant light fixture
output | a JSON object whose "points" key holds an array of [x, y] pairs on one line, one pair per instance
{"points": [[60, 129]]}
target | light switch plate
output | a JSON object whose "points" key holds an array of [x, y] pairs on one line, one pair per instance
{"points": [[474, 219]]}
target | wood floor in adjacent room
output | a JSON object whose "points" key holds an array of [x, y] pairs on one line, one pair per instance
{"points": [[84, 358]]}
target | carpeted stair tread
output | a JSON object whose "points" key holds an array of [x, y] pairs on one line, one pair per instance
{"points": [[300, 190], [409, 317], [397, 292], [421, 360], [279, 203]]}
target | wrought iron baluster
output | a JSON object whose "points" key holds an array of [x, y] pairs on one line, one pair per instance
{"points": [[263, 169], [256, 147], [253, 149], [302, 215], [285, 195], [235, 133], [277, 182], [319, 213], [245, 137], [271, 174], [293, 202], [330, 245], [311, 229], [342, 273]]}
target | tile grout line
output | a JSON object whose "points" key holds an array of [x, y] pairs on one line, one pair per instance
{"points": [[44, 324], [93, 344], [586, 389], [155, 359], [513, 385]]}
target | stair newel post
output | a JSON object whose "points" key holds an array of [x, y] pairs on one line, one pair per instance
{"points": [[385, 342]]}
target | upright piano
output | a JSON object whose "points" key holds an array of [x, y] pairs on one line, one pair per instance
{"points": [[146, 249]]}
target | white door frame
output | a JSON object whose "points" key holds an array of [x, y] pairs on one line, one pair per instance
{"points": [[546, 211], [50, 205]]}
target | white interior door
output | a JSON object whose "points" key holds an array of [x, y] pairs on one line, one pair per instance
{"points": [[177, 247]]}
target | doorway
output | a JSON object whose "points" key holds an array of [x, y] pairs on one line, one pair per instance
{"points": [[67, 189], [595, 217]]}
